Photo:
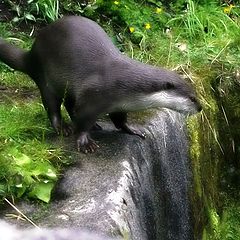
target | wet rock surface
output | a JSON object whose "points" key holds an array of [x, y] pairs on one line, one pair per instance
{"points": [[130, 187]]}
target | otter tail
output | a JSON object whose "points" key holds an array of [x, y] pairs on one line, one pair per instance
{"points": [[14, 57]]}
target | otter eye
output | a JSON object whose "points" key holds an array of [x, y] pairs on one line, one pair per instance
{"points": [[193, 99], [169, 85]]}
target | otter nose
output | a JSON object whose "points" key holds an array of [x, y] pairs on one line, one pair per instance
{"points": [[197, 103], [199, 107]]}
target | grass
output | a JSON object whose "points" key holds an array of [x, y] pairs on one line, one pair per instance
{"points": [[14, 79], [225, 227], [201, 42], [29, 165]]}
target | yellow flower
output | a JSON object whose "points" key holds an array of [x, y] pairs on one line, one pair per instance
{"points": [[131, 29], [159, 10], [147, 26], [228, 9], [116, 2]]}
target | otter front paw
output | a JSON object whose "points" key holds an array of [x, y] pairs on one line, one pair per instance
{"points": [[85, 144]]}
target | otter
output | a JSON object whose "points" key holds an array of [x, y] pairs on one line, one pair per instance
{"points": [[74, 62]]}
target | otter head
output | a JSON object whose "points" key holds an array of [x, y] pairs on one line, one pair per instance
{"points": [[177, 95], [171, 92]]}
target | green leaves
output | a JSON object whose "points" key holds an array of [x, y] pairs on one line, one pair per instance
{"points": [[27, 164], [47, 10], [27, 175], [140, 20], [42, 191]]}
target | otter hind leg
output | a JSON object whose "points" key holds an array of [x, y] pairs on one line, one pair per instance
{"points": [[52, 104], [119, 119]]}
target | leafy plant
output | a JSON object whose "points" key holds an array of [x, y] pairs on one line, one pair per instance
{"points": [[28, 165], [47, 10], [138, 20], [23, 13], [25, 173]]}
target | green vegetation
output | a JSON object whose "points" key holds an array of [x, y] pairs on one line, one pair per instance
{"points": [[29, 165], [226, 227], [201, 41], [47, 10]]}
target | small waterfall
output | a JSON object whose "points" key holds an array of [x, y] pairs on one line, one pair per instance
{"points": [[162, 177]]}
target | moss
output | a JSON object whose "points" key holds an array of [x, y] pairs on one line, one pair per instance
{"points": [[214, 161], [205, 151], [195, 152]]}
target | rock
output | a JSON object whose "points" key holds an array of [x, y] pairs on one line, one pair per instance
{"points": [[130, 187], [11, 233]]}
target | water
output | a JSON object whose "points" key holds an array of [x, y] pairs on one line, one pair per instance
{"points": [[163, 180]]}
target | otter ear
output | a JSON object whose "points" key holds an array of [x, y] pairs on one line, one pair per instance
{"points": [[169, 85]]}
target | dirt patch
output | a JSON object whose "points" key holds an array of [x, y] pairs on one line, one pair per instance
{"points": [[8, 94], [5, 12]]}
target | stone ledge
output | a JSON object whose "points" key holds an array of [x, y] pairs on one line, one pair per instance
{"points": [[132, 188]]}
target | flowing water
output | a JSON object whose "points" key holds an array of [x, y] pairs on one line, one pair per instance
{"points": [[163, 178]]}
